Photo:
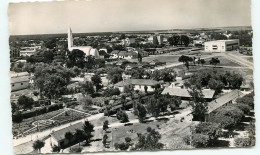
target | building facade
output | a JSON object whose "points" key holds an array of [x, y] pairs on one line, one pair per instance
{"points": [[137, 84], [221, 45]]}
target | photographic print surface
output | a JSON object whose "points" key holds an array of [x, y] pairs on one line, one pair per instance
{"points": [[131, 75]]}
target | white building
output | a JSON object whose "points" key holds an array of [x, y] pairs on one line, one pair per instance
{"points": [[27, 52], [128, 41], [19, 81], [137, 84], [221, 45], [88, 50], [160, 39]]}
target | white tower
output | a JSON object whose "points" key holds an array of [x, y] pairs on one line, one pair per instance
{"points": [[70, 39]]}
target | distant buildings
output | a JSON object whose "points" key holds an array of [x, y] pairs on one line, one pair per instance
{"points": [[153, 39], [27, 51], [221, 45], [88, 50], [137, 84], [114, 54], [127, 55], [128, 41], [156, 39], [19, 81]]}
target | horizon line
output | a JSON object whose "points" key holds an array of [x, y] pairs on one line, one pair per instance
{"points": [[135, 30]]}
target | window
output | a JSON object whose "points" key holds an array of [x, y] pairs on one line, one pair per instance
{"points": [[139, 86], [21, 84], [12, 85]]}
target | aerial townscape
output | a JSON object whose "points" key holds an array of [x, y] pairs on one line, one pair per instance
{"points": [[132, 90]]}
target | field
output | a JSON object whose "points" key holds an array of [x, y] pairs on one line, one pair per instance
{"points": [[27, 123], [59, 117], [171, 129], [164, 58], [224, 62]]}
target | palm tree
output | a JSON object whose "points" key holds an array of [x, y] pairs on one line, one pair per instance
{"points": [[37, 145], [69, 136]]}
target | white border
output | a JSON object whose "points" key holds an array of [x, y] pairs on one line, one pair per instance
{"points": [[5, 112]]}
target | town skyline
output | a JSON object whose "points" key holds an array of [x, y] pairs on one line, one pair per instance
{"points": [[130, 16]]}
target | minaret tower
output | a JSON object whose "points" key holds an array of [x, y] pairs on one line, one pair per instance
{"points": [[70, 39]]}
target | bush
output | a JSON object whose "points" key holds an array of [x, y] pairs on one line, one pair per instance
{"points": [[122, 116], [227, 116], [245, 108], [111, 92], [43, 110], [128, 139], [247, 99], [200, 140], [76, 150], [213, 130], [242, 142], [121, 146], [116, 145], [186, 139]]}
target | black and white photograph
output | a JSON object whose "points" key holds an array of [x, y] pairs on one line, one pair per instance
{"points": [[131, 75]]}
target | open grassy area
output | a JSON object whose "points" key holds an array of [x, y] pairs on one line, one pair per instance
{"points": [[68, 116], [164, 58], [224, 62]]}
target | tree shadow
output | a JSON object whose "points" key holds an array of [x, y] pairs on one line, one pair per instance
{"points": [[147, 121], [162, 119], [128, 124], [221, 143], [246, 119], [227, 134], [241, 126]]}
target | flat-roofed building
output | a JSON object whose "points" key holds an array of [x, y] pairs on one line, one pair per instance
{"points": [[221, 45]]}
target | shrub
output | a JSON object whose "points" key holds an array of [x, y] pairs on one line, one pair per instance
{"points": [[212, 130], [200, 140], [227, 116], [242, 142], [128, 139], [55, 148], [247, 99], [122, 116], [111, 92], [76, 150], [186, 139], [121, 146], [43, 110], [244, 107], [116, 145]]}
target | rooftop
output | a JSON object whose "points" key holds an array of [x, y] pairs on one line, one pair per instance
{"points": [[146, 82], [180, 92], [60, 134], [223, 40], [19, 79], [213, 105]]}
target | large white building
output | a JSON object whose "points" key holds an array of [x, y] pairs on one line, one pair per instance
{"points": [[221, 45], [88, 50]]}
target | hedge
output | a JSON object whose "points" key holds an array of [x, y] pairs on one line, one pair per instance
{"points": [[43, 110]]}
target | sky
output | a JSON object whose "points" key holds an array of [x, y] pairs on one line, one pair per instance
{"points": [[125, 15]]}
